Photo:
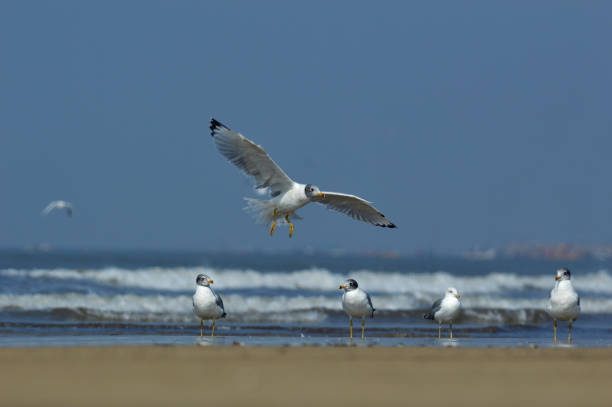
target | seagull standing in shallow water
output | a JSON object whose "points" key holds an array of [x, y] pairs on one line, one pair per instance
{"points": [[445, 310], [356, 303], [206, 303], [564, 303], [58, 205], [287, 196]]}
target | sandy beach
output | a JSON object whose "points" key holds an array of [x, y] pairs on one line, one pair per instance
{"points": [[281, 376]]}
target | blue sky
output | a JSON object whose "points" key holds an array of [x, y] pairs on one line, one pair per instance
{"points": [[467, 123]]}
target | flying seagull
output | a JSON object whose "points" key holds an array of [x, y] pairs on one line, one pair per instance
{"points": [[58, 205], [207, 304], [287, 195], [564, 303], [356, 303], [445, 310]]}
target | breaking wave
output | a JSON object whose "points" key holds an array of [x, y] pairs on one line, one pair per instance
{"points": [[303, 296], [318, 279], [278, 308]]}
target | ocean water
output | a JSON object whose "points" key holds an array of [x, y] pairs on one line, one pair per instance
{"points": [[110, 298]]}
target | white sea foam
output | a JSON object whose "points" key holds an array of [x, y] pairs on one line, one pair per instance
{"points": [[308, 295], [426, 285], [180, 306]]}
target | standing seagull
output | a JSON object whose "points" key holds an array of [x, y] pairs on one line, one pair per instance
{"points": [[287, 196], [445, 310], [206, 303], [58, 205], [564, 303], [356, 303]]}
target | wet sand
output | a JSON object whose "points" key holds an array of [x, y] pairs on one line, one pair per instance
{"points": [[306, 376]]}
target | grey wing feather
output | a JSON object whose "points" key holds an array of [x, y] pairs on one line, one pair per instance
{"points": [[250, 159], [355, 207], [371, 305], [435, 307], [219, 303]]}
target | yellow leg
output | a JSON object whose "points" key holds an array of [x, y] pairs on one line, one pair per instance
{"points": [[451, 330], [555, 325], [290, 225], [213, 328], [201, 328], [351, 329], [569, 336], [439, 330], [273, 223], [362, 329]]}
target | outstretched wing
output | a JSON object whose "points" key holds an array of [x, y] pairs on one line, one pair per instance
{"points": [[354, 207], [49, 208], [250, 158]]}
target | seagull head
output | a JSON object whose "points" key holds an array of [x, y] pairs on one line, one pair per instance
{"points": [[349, 285], [563, 274], [312, 191], [453, 292], [203, 280]]}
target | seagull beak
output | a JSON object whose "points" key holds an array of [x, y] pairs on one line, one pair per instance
{"points": [[321, 194], [557, 278], [342, 287], [210, 281], [458, 295]]}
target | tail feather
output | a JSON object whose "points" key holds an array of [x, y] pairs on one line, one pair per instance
{"points": [[262, 210], [429, 315]]}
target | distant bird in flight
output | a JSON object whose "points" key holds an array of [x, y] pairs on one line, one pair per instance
{"points": [[58, 205], [287, 196]]}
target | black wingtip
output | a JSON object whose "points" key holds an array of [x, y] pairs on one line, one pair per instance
{"points": [[390, 226], [215, 124], [385, 225]]}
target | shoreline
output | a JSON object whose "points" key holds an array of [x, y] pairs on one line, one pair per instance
{"points": [[235, 375]]}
